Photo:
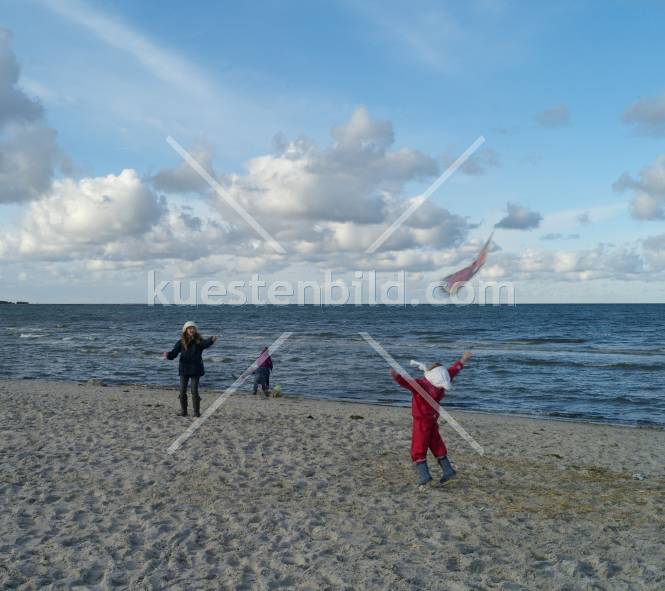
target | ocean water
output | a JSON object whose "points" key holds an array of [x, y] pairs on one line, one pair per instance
{"points": [[590, 362]]}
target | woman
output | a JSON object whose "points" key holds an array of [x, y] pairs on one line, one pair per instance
{"points": [[190, 347]]}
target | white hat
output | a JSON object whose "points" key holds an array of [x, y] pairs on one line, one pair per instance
{"points": [[188, 324], [439, 378]]}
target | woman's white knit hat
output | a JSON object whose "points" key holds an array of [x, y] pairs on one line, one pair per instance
{"points": [[188, 324]]}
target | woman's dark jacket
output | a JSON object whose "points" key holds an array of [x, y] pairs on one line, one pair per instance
{"points": [[191, 360]]}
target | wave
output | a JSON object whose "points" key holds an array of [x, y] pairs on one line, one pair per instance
{"points": [[327, 334], [30, 335], [601, 418], [546, 340], [586, 365], [92, 350], [503, 346], [628, 399], [639, 352]]}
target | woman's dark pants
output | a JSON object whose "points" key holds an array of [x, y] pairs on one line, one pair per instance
{"points": [[196, 399]]}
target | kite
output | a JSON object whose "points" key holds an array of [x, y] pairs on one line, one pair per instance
{"points": [[451, 283]]}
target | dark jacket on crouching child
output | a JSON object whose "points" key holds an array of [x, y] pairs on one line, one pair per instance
{"points": [[262, 372]]}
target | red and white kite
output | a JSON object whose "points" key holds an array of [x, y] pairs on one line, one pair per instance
{"points": [[453, 282]]}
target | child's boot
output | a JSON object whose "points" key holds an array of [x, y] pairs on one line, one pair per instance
{"points": [[448, 471], [423, 473], [196, 403], [183, 406]]}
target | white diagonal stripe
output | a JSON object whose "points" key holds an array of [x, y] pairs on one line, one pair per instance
{"points": [[224, 396], [224, 194], [418, 201], [433, 403]]}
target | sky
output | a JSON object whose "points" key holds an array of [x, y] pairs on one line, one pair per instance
{"points": [[324, 121]]}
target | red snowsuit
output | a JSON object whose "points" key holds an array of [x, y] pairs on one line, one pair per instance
{"points": [[425, 431]]}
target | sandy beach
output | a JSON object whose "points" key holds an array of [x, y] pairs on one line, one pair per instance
{"points": [[304, 494]]}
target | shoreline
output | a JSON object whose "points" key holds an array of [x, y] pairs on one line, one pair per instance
{"points": [[406, 404], [282, 305]]}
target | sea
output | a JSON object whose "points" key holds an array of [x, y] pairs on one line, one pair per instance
{"points": [[596, 362]]}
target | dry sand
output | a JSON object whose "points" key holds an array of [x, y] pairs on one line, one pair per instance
{"points": [[298, 494]]}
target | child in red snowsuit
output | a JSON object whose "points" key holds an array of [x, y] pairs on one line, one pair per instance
{"points": [[426, 393]]}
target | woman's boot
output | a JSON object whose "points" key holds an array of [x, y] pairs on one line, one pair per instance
{"points": [[196, 399], [183, 405]]}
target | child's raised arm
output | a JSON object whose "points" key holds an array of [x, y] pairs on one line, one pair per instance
{"points": [[399, 379], [456, 367]]}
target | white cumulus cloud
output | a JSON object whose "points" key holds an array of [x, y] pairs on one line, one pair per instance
{"points": [[78, 217], [341, 197], [28, 149], [648, 201]]}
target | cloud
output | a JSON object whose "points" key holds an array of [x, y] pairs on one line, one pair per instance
{"points": [[478, 164], [440, 36], [326, 205], [519, 218], [148, 86], [570, 219], [78, 217], [655, 242], [339, 198], [103, 225], [654, 252], [28, 148], [648, 201], [584, 218], [647, 116], [558, 236], [15, 106], [557, 116], [26, 163], [605, 261], [647, 207], [183, 178], [162, 63], [426, 34], [509, 131]]}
